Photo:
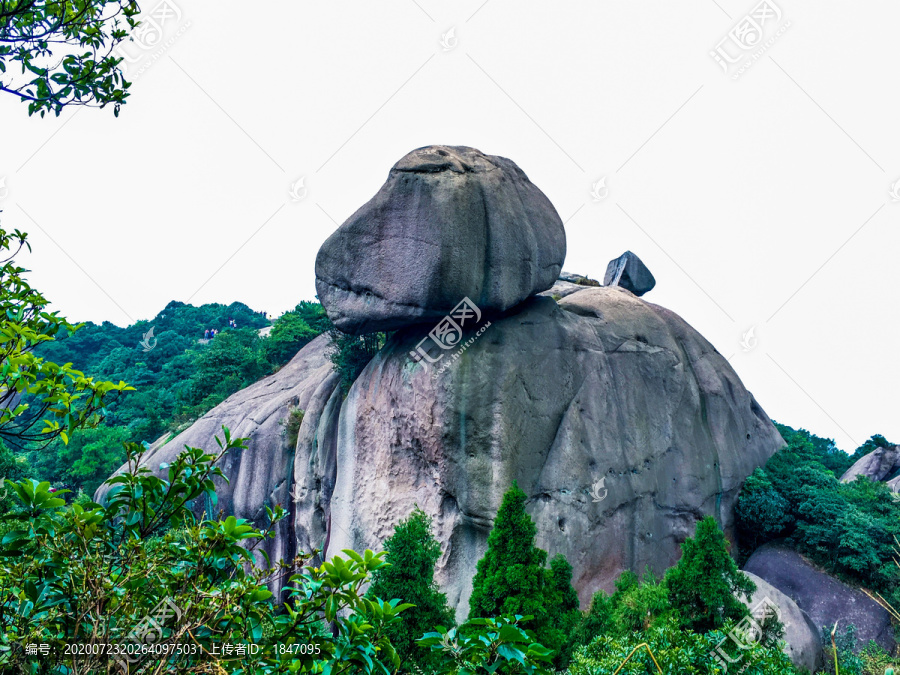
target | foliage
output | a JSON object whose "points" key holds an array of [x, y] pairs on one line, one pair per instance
{"points": [[351, 353], [636, 605], [89, 459], [847, 528], [64, 52], [39, 399], [292, 427], [677, 651], [293, 330], [511, 578], [91, 574], [761, 512], [411, 553], [706, 584], [183, 376], [487, 646]]}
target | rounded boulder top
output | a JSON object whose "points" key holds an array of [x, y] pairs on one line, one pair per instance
{"points": [[449, 223]]}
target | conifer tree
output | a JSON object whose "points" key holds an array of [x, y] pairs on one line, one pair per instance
{"points": [[704, 584], [412, 552], [512, 579]]}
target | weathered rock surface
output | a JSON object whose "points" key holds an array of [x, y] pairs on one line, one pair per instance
{"points": [[629, 272], [802, 637], [561, 289], [450, 222], [602, 385], [878, 465], [822, 597], [262, 474]]}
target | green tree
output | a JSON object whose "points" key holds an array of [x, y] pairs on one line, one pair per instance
{"points": [[292, 331], [706, 584], [511, 579], [411, 553], [676, 650], [39, 400], [762, 513], [54, 54], [85, 462], [563, 615]]}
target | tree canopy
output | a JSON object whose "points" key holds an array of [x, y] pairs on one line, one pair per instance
{"points": [[56, 53]]}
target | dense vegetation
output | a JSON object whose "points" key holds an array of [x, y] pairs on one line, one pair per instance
{"points": [[182, 376], [848, 529]]}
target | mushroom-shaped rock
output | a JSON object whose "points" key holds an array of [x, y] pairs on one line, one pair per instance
{"points": [[629, 272], [803, 642], [449, 223]]}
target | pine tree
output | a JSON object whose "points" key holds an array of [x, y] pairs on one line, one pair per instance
{"points": [[511, 576], [412, 553], [511, 579], [704, 584]]}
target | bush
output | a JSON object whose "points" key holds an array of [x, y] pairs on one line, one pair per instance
{"points": [[676, 651], [350, 354], [292, 427], [91, 574]]}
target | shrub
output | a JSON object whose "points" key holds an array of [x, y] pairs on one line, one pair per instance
{"points": [[351, 353]]}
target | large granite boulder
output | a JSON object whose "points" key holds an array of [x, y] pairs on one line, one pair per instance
{"points": [[878, 465], [622, 424], [449, 223], [261, 475], [821, 596], [803, 640]]}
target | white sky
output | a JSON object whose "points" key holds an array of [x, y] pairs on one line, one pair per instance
{"points": [[740, 196]]}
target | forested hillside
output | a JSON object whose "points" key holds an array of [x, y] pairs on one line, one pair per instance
{"points": [[179, 372]]}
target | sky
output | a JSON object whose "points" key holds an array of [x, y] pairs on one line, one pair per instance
{"points": [[762, 194]]}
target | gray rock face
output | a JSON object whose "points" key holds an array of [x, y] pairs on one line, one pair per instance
{"points": [[561, 289], [629, 272], [622, 424], [802, 637], [450, 222], [878, 465], [261, 475], [822, 597]]}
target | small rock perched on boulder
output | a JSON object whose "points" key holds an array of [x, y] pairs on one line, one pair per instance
{"points": [[630, 273], [449, 223]]}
